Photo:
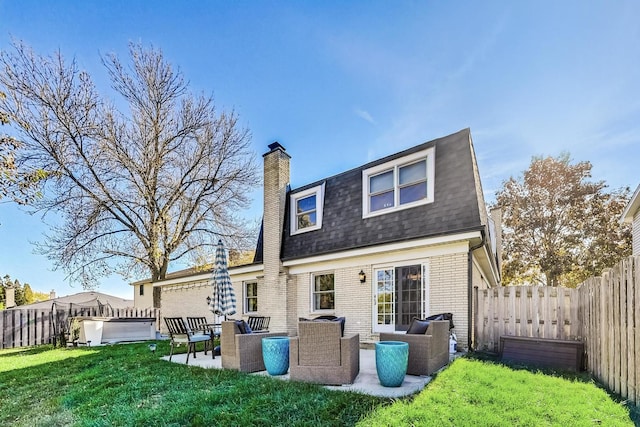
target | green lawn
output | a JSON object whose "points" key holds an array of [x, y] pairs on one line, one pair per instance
{"points": [[127, 385]]}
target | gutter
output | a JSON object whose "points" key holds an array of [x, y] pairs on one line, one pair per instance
{"points": [[470, 288]]}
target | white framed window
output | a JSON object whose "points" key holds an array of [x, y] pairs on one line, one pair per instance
{"points": [[306, 210], [250, 297], [323, 292], [399, 184]]}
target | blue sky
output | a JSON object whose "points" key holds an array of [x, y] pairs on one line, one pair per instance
{"points": [[342, 83]]}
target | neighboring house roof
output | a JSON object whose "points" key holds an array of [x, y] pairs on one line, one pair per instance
{"points": [[455, 207], [82, 298], [632, 207], [187, 272]]}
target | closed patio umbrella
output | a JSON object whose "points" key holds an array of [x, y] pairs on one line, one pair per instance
{"points": [[223, 302]]}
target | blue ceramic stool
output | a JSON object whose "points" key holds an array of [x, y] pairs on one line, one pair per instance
{"points": [[392, 358], [275, 353]]}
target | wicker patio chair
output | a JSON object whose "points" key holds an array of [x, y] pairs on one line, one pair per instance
{"points": [[243, 352], [180, 333], [320, 354], [427, 352]]}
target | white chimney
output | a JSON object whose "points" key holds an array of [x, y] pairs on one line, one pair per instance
{"points": [[52, 294], [276, 181]]}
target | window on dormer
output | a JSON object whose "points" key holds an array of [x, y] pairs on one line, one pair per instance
{"points": [[306, 210], [398, 184]]}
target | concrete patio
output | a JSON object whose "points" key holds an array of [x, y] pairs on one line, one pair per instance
{"points": [[366, 382]]}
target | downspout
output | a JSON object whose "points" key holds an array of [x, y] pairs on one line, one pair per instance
{"points": [[470, 288]]}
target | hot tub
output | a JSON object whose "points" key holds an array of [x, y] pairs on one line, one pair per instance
{"points": [[105, 330]]}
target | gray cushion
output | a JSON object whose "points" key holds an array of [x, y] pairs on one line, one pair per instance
{"points": [[243, 326], [418, 326], [327, 318]]}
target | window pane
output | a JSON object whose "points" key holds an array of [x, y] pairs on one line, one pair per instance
{"points": [[413, 193], [307, 204], [324, 282], [252, 304], [251, 296], [381, 182], [323, 302], [381, 201], [413, 173], [252, 289], [306, 220], [323, 292]]}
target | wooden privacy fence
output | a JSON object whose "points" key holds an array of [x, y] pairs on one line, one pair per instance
{"points": [[610, 307], [528, 311], [603, 312], [28, 327]]}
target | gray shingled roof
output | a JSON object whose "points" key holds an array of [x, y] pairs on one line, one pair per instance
{"points": [[455, 207]]}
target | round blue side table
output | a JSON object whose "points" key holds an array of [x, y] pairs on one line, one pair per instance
{"points": [[392, 358], [275, 353]]}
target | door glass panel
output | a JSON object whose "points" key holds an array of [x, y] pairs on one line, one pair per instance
{"points": [[385, 295], [408, 295]]}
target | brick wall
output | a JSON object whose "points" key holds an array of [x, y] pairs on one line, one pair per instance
{"points": [[353, 300], [448, 287], [185, 300]]}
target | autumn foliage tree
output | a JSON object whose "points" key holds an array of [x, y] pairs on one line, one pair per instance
{"points": [[558, 226], [135, 188]]}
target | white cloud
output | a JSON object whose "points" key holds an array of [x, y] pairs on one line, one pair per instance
{"points": [[364, 115]]}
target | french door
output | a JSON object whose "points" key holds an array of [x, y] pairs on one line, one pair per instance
{"points": [[400, 294]]}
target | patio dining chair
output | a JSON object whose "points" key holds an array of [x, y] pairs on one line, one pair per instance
{"points": [[180, 333], [259, 323]]}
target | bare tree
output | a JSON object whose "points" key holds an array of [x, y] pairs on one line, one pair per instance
{"points": [[559, 227], [135, 190], [18, 185]]}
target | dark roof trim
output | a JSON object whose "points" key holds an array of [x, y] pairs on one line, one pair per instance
{"points": [[390, 241]]}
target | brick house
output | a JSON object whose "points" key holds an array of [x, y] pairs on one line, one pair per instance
{"points": [[406, 235]]}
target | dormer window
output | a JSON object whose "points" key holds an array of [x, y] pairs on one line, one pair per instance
{"points": [[306, 210], [399, 184]]}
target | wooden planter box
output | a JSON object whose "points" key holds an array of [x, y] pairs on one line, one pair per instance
{"points": [[543, 352]]}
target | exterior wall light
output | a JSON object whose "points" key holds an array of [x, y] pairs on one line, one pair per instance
{"points": [[362, 276]]}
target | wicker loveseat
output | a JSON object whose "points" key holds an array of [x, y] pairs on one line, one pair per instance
{"points": [[427, 352], [320, 354], [242, 352]]}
